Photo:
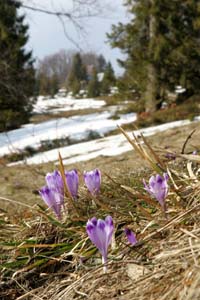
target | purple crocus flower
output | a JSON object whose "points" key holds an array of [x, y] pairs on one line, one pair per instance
{"points": [[130, 236], [158, 188], [54, 181], [52, 198], [93, 181], [171, 156], [100, 233], [72, 182]]}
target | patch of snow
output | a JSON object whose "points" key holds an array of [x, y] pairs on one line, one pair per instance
{"points": [[76, 127], [65, 104], [114, 90], [100, 76], [179, 89], [109, 146], [197, 118]]}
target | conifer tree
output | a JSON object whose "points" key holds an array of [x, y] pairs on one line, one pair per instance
{"points": [[78, 76], [162, 45], [94, 85], [108, 79], [16, 67], [101, 63]]}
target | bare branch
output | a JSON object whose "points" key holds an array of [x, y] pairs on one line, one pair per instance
{"points": [[46, 11], [80, 9]]}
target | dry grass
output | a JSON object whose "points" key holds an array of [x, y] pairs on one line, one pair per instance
{"points": [[43, 117], [42, 258]]}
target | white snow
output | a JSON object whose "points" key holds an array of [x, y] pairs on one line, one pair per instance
{"points": [[109, 146], [76, 127], [65, 104]]}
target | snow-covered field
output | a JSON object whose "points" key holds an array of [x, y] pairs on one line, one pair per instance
{"points": [[76, 128], [65, 104], [109, 146]]}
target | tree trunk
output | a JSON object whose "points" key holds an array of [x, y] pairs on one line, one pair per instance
{"points": [[151, 89], [152, 75]]}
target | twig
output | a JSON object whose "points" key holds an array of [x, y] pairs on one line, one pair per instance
{"points": [[66, 189], [16, 202], [48, 12], [30, 293], [186, 141], [193, 254]]}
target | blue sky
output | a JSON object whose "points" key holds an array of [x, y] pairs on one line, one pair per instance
{"points": [[47, 34]]}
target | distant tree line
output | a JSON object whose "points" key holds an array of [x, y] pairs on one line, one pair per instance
{"points": [[75, 72], [161, 44], [21, 79]]}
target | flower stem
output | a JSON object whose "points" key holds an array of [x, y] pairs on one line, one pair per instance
{"points": [[165, 210], [104, 261]]}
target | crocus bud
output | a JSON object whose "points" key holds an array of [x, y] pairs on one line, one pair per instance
{"points": [[93, 181], [72, 182], [52, 198], [100, 233], [171, 156], [158, 188], [130, 236]]}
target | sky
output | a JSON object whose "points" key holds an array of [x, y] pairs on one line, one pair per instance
{"points": [[47, 33]]}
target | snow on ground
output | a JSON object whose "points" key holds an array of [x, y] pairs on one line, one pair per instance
{"points": [[109, 146], [65, 104], [76, 128]]}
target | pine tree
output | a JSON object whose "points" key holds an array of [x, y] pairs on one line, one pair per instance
{"points": [[16, 67], [94, 85], [101, 63], [78, 76], [108, 79], [162, 47], [182, 60]]}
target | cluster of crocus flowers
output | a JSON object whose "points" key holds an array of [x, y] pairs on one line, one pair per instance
{"points": [[100, 233], [158, 188], [53, 192]]}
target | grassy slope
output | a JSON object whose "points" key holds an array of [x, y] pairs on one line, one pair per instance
{"points": [[165, 266]]}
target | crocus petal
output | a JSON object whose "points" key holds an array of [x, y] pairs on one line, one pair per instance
{"points": [[93, 181], [152, 182], [72, 182], [96, 234], [51, 198], [94, 221], [158, 187], [54, 181], [146, 187], [130, 236], [166, 176]]}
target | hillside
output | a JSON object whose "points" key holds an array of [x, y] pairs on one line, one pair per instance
{"points": [[45, 258]]}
